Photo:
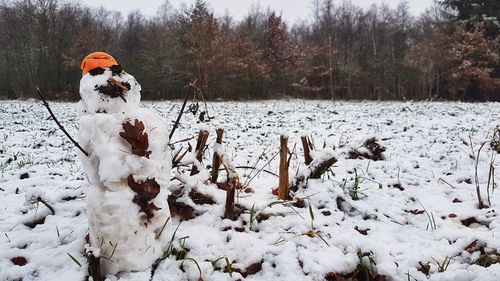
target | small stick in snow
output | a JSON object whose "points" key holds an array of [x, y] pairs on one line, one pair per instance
{"points": [[283, 188], [59, 124], [216, 158], [442, 180], [254, 168], [191, 86]]}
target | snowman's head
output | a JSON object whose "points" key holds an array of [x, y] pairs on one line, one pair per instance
{"points": [[105, 87]]}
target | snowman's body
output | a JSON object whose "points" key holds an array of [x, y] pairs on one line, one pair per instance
{"points": [[128, 229]]}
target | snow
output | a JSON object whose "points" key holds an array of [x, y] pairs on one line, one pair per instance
{"points": [[93, 101], [428, 153]]}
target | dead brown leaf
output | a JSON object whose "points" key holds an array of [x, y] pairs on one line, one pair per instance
{"points": [[136, 137]]}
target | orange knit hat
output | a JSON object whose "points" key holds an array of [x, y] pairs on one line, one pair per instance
{"points": [[97, 59]]}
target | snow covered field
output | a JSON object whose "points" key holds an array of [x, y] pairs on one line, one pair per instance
{"points": [[412, 216]]}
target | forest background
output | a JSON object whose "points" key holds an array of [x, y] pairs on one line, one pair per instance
{"points": [[450, 52]]}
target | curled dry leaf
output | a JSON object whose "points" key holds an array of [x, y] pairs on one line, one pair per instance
{"points": [[362, 231], [136, 137], [146, 191]]}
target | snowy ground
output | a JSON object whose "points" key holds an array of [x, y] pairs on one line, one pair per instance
{"points": [[415, 211]]}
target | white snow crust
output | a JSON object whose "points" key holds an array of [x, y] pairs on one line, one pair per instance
{"points": [[92, 101], [428, 153]]}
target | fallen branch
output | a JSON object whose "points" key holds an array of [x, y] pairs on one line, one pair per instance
{"points": [[320, 169], [59, 124], [318, 166]]}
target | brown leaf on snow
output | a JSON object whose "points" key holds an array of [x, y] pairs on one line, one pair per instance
{"points": [[471, 246], [146, 191], [136, 137], [424, 268], [468, 221], [200, 198], [332, 276], [34, 223], [362, 231], [275, 191], [252, 269], [21, 261], [326, 213], [416, 212], [181, 210]]}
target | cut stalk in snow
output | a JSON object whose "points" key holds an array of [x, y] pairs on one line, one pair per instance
{"points": [[283, 187], [307, 153], [216, 158], [200, 147]]}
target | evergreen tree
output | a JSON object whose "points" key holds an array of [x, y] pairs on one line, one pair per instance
{"points": [[475, 11]]}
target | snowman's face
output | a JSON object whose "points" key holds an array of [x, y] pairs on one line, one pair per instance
{"points": [[109, 90]]}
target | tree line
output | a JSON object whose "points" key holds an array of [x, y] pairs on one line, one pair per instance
{"points": [[450, 52]]}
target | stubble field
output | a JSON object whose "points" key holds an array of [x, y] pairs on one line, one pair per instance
{"points": [[412, 215]]}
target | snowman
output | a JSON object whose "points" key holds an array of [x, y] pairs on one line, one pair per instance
{"points": [[128, 168]]}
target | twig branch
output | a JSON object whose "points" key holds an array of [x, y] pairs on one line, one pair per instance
{"points": [[40, 199], [190, 86], [59, 124], [183, 140], [254, 168]]}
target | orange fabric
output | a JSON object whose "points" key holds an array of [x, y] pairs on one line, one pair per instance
{"points": [[97, 59]]}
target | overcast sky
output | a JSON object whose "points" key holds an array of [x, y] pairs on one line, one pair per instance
{"points": [[290, 9]]}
